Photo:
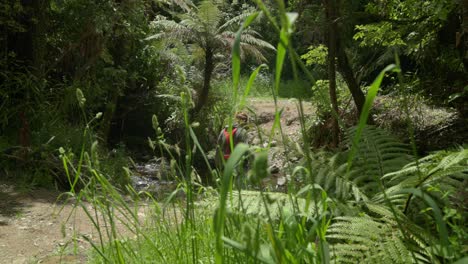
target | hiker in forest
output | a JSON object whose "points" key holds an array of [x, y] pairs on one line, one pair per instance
{"points": [[239, 135]]}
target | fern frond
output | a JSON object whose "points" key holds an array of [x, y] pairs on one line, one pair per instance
{"points": [[445, 170], [171, 30], [377, 239], [209, 16], [250, 39], [382, 168], [379, 154], [233, 22]]}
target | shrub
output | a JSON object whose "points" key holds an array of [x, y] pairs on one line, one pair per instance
{"points": [[295, 89]]}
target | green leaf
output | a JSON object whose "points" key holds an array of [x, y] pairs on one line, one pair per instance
{"points": [[444, 249], [280, 55], [226, 185], [463, 260], [250, 83], [236, 52], [371, 94]]}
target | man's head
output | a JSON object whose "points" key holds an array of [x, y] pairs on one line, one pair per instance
{"points": [[241, 118]]}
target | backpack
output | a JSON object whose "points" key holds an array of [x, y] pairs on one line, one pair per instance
{"points": [[227, 142]]}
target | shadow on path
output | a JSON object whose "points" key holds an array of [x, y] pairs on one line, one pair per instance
{"points": [[14, 203], [10, 205]]}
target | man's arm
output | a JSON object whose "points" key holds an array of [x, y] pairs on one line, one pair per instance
{"points": [[241, 136]]}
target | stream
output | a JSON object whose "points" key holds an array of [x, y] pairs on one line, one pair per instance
{"points": [[152, 177]]}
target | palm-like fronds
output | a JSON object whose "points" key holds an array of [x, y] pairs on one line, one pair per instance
{"points": [[209, 16], [173, 30], [203, 27], [235, 21]]}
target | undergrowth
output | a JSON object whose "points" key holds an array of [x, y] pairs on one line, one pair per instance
{"points": [[375, 202]]}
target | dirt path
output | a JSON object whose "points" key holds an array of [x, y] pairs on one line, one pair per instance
{"points": [[265, 114], [34, 228], [30, 227]]}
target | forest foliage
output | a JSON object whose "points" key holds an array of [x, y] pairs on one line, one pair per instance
{"points": [[86, 84]]}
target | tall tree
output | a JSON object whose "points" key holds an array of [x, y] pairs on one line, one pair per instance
{"points": [[314, 20], [23, 24], [204, 28], [464, 34], [344, 28], [119, 51], [344, 67], [330, 9]]}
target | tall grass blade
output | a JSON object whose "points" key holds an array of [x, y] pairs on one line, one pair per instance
{"points": [[249, 85], [280, 56], [371, 94], [107, 260], [236, 67], [236, 51], [226, 185]]}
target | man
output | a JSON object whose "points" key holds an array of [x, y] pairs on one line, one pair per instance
{"points": [[239, 135]]}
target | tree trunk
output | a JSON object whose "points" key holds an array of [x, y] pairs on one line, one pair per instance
{"points": [[30, 50], [120, 54], [465, 33], [330, 8], [209, 66], [107, 117], [30, 45], [344, 67], [21, 42], [347, 72], [39, 29]]}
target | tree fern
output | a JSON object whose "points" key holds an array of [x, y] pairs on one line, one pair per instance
{"points": [[203, 27]]}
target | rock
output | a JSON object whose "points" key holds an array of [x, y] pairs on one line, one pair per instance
{"points": [[274, 168], [289, 121], [256, 141], [263, 118], [281, 181], [158, 169], [139, 183], [294, 159]]}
